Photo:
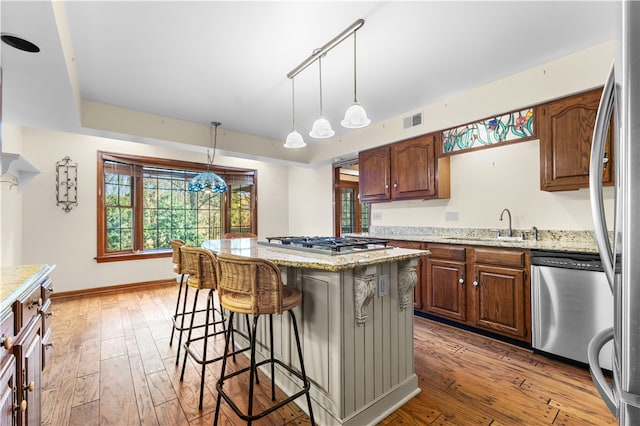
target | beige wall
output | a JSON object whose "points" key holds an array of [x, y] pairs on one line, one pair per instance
{"points": [[10, 205], [49, 235]]}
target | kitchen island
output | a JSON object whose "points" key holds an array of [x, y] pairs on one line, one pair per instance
{"points": [[356, 325]]}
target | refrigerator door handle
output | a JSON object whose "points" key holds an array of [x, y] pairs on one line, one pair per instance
{"points": [[606, 392], [595, 176]]}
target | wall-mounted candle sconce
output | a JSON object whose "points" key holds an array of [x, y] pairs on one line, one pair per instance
{"points": [[67, 183]]}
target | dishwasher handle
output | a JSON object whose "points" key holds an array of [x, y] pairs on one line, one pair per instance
{"points": [[595, 347]]}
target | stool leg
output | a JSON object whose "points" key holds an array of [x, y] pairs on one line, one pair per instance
{"points": [[193, 316], [204, 350], [175, 315], [273, 376], [302, 370], [184, 309], [253, 371], [227, 339]]}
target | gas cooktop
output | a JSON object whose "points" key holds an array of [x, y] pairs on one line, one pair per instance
{"points": [[327, 245]]}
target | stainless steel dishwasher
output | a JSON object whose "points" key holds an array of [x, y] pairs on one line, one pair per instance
{"points": [[570, 303]]}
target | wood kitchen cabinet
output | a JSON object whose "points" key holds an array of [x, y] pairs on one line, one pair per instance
{"points": [[481, 287], [565, 129], [25, 310], [446, 282], [501, 292], [404, 170]]}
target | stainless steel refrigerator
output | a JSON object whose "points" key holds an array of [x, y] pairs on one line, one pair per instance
{"points": [[620, 252]]}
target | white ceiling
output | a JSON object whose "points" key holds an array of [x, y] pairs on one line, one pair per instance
{"points": [[206, 61]]}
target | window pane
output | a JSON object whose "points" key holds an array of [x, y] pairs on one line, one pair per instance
{"points": [[347, 216], [365, 215]]}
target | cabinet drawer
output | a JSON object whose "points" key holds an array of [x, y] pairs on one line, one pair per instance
{"points": [[510, 258], [47, 289], [439, 251], [27, 308], [6, 335]]}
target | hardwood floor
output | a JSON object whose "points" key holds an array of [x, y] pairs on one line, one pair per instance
{"points": [[111, 364]]}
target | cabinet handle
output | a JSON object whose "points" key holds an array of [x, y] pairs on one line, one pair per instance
{"points": [[50, 290], [48, 314], [31, 386], [35, 302], [476, 283], [395, 185], [461, 280], [6, 342], [48, 345], [386, 186]]}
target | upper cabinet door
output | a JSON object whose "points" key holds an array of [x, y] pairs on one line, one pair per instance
{"points": [[413, 168], [566, 131], [374, 168]]}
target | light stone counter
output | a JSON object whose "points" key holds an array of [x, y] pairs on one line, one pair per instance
{"points": [[16, 280], [356, 326], [556, 240]]}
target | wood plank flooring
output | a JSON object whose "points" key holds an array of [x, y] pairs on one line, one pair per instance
{"points": [[111, 364]]}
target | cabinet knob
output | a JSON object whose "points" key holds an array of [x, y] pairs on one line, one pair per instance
{"points": [[386, 186], [7, 342], [50, 290], [22, 407], [31, 386], [48, 345], [395, 185], [476, 283], [48, 314], [461, 280]]}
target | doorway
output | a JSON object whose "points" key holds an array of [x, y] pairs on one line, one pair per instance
{"points": [[350, 216]]}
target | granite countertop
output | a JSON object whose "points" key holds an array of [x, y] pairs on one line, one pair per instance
{"points": [[249, 247], [569, 241], [15, 280]]}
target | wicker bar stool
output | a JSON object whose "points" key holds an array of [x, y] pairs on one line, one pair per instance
{"points": [[201, 265], [254, 286], [178, 269]]}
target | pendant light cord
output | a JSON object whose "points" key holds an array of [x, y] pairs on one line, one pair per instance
{"points": [[293, 105], [355, 98], [320, 68], [213, 137]]}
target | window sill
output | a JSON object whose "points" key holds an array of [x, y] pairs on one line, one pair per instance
{"points": [[119, 257]]}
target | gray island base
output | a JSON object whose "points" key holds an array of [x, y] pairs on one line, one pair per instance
{"points": [[356, 325]]}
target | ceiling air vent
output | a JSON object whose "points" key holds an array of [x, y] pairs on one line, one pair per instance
{"points": [[412, 121]]}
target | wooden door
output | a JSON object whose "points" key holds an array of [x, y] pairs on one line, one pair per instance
{"points": [[413, 168], [374, 168], [7, 391], [499, 300], [566, 133], [446, 289]]}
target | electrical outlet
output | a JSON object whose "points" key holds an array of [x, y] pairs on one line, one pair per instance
{"points": [[383, 285], [377, 215], [451, 216]]}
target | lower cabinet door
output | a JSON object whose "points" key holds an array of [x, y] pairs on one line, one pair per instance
{"points": [[446, 289], [8, 392], [499, 300], [28, 351]]}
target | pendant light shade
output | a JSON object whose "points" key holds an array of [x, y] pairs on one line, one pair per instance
{"points": [[321, 127], [209, 182], [294, 139], [355, 117]]}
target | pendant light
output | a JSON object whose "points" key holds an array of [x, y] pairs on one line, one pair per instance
{"points": [[321, 127], [208, 181], [294, 139], [355, 117]]}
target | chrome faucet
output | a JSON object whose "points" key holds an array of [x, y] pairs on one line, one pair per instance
{"points": [[509, 230]]}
